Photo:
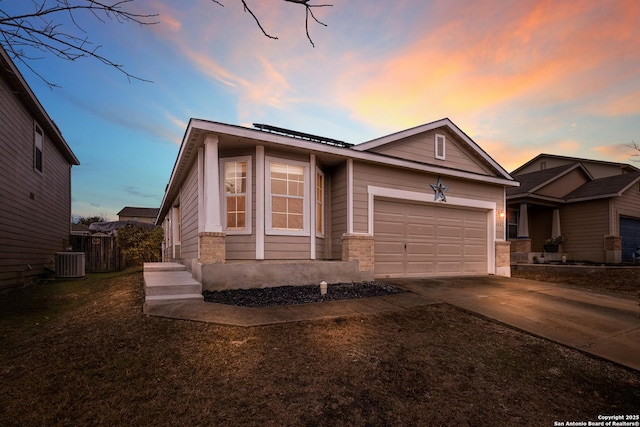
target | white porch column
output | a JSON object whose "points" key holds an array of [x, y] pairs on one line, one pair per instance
{"points": [[555, 225], [212, 216], [523, 222], [312, 206], [261, 178]]}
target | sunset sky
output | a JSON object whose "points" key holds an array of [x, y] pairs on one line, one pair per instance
{"points": [[520, 78]]}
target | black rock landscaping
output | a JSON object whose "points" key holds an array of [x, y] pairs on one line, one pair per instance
{"points": [[289, 295]]}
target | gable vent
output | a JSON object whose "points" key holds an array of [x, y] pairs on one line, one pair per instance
{"points": [[440, 146]]}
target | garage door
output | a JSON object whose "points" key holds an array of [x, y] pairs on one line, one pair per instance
{"points": [[413, 240], [630, 234]]}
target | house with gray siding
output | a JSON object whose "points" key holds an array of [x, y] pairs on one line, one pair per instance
{"points": [[266, 206], [138, 214], [35, 182], [593, 205]]}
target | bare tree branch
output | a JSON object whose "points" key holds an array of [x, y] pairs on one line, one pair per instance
{"points": [[308, 12], [246, 9], [42, 30]]}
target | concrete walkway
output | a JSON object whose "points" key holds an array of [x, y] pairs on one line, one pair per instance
{"points": [[602, 324]]}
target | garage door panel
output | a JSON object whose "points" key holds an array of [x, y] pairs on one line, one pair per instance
{"points": [[449, 249], [420, 268], [421, 249], [445, 232], [440, 240]]}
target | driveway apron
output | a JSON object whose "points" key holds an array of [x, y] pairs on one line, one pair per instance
{"points": [[599, 323]]}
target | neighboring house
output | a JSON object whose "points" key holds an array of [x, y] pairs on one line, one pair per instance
{"points": [[594, 204], [147, 215], [35, 182], [260, 207]]}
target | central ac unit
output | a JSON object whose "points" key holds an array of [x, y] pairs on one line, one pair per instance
{"points": [[70, 264]]}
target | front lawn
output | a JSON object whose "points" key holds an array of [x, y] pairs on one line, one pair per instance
{"points": [[83, 353]]}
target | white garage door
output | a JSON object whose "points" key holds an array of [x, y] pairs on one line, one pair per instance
{"points": [[413, 240]]}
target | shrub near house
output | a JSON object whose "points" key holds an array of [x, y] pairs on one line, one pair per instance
{"points": [[140, 244]]}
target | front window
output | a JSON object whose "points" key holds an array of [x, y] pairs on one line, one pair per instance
{"points": [[287, 197], [236, 181], [319, 203]]}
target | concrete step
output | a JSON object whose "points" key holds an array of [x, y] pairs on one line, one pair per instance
{"points": [[164, 266], [170, 282]]}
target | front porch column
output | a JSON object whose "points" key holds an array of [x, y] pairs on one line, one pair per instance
{"points": [[556, 231], [212, 214], [358, 247], [523, 222]]}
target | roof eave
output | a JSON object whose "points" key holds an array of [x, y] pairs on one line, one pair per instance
{"points": [[15, 78], [238, 131]]}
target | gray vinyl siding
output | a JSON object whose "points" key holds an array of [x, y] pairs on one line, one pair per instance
{"points": [[421, 148], [338, 213], [585, 225], [189, 215], [286, 247], [400, 179], [35, 208], [628, 205]]}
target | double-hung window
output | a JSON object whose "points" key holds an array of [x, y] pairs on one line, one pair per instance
{"points": [[236, 179], [319, 203], [287, 197]]}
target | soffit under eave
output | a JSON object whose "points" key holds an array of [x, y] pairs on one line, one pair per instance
{"points": [[529, 197]]}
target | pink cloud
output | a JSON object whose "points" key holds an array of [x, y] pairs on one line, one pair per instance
{"points": [[533, 57]]}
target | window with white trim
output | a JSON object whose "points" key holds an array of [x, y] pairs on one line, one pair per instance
{"points": [[440, 147], [236, 179], [319, 203], [38, 146], [287, 197]]}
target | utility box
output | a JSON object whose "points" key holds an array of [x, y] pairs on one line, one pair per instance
{"points": [[70, 264]]}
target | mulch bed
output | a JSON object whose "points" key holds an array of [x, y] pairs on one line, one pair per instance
{"points": [[290, 295]]}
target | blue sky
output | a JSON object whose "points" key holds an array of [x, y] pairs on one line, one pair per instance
{"points": [[536, 76]]}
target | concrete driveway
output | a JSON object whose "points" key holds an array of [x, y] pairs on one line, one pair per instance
{"points": [[603, 324]]}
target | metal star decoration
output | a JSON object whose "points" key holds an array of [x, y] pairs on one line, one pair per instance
{"points": [[440, 190]]}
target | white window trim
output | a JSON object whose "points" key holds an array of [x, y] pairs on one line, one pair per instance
{"points": [[315, 202], [36, 128], [443, 155], [248, 199], [268, 209]]}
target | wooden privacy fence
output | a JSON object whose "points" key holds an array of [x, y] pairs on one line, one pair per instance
{"points": [[102, 254]]}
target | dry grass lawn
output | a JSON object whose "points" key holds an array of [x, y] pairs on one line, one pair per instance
{"points": [[82, 353]]}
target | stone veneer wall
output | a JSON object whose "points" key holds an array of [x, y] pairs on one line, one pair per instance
{"points": [[358, 247], [503, 258], [212, 247]]}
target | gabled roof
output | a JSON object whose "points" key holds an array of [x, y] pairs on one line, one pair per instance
{"points": [[23, 92], [611, 186], [198, 129], [623, 166], [139, 212], [446, 122], [530, 182]]}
